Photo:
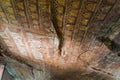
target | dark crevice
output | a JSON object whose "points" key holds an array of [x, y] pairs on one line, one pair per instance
{"points": [[60, 37], [111, 44], [58, 32], [31, 68], [118, 54]]}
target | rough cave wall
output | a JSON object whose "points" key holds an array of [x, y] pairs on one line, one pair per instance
{"points": [[15, 70]]}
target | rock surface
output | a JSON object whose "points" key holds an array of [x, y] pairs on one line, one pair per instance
{"points": [[60, 39]]}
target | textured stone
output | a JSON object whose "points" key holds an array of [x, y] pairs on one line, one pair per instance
{"points": [[66, 35]]}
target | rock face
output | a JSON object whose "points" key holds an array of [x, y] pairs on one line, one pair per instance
{"points": [[20, 71], [60, 39]]}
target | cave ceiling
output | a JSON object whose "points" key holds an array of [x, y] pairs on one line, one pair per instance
{"points": [[63, 33]]}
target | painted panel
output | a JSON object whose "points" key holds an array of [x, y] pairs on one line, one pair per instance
{"points": [[40, 45], [19, 42]]}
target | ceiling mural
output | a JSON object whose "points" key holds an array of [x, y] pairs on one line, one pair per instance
{"points": [[63, 32]]}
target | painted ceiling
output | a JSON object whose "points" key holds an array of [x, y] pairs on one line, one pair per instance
{"points": [[63, 33]]}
